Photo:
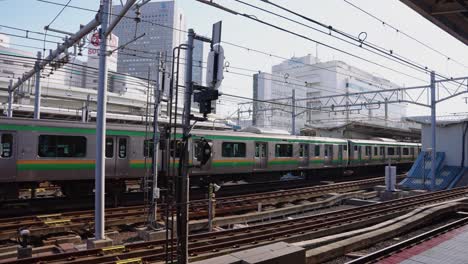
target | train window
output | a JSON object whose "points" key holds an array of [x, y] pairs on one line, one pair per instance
{"points": [[176, 150], [257, 150], [109, 147], [233, 150], [355, 148], [7, 145], [283, 150], [148, 147], [405, 151], [391, 151], [122, 148], [345, 147], [303, 150], [398, 150], [317, 151], [412, 151], [368, 150], [381, 152], [376, 151], [52, 146], [328, 150]]}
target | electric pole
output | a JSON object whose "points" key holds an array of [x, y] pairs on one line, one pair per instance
{"points": [[293, 112], [100, 170], [10, 100], [37, 90], [433, 129], [183, 177]]}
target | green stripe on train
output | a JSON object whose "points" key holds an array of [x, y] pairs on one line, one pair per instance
{"points": [[90, 131], [70, 166]]}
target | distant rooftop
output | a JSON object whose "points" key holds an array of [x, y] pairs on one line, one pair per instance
{"points": [[441, 120]]}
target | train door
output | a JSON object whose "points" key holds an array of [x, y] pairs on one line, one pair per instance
{"points": [[340, 154], [117, 163], [122, 159], [261, 155], [7, 155], [382, 153], [304, 154], [359, 154], [203, 153], [328, 154]]}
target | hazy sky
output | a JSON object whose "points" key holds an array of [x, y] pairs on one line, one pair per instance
{"points": [[34, 15]]}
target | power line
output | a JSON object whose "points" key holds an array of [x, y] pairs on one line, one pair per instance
{"points": [[356, 41], [315, 41], [403, 33], [180, 30], [383, 52]]}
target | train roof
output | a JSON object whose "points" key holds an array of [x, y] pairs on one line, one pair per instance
{"points": [[376, 142], [234, 135]]}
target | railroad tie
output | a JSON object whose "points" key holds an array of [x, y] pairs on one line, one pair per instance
{"points": [[115, 249], [130, 261]]}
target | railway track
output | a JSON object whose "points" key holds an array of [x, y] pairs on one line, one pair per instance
{"points": [[217, 243], [43, 205], [389, 251], [40, 225]]}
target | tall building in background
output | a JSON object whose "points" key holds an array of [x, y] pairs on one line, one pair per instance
{"points": [[310, 78], [139, 57]]}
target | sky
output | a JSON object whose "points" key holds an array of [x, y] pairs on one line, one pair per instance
{"points": [[34, 15]]}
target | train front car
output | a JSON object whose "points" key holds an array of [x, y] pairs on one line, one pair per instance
{"points": [[63, 153]]}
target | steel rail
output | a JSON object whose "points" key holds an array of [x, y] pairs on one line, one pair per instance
{"points": [[217, 243]]}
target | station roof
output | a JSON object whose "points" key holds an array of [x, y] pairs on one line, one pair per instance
{"points": [[441, 120], [449, 15]]}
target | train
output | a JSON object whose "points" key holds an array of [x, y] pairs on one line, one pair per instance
{"points": [[63, 153]]}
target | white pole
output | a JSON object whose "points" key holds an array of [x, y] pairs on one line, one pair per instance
{"points": [[100, 171]]}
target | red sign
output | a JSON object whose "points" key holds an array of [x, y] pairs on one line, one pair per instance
{"points": [[95, 40]]}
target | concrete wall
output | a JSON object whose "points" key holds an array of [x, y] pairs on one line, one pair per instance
{"points": [[448, 140]]}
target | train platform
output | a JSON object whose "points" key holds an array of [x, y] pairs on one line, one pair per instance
{"points": [[449, 248]]}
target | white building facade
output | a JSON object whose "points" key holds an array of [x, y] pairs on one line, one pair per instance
{"points": [[310, 78]]}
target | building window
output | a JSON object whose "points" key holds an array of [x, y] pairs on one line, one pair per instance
{"points": [[52, 146], [283, 150], [7, 145], [233, 150]]}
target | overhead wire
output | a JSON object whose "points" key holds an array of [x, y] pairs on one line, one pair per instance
{"points": [[386, 53], [405, 34]]}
